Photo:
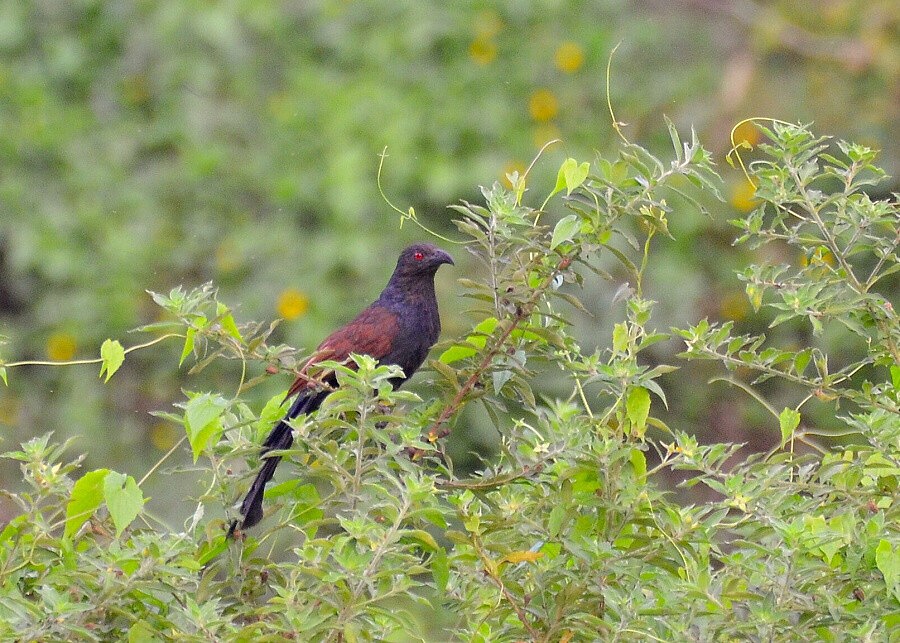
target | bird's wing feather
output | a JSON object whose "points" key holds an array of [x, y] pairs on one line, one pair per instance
{"points": [[372, 333]]}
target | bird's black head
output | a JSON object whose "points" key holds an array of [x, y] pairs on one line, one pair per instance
{"points": [[421, 259]]}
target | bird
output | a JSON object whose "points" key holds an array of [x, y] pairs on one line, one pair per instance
{"points": [[398, 328]]}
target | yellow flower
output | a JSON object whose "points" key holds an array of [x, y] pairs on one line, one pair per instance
{"points": [[482, 50], [509, 168], [734, 306], [569, 57], [743, 196], [488, 24], [163, 436], [545, 133], [61, 347], [543, 105], [292, 304], [746, 132]]}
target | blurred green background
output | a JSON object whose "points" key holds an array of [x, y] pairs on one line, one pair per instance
{"points": [[150, 144]]}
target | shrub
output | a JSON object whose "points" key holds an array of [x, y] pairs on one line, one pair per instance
{"points": [[570, 533]]}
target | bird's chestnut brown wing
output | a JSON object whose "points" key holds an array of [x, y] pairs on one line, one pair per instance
{"points": [[371, 333]]}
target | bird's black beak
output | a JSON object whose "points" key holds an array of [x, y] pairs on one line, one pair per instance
{"points": [[442, 257]]}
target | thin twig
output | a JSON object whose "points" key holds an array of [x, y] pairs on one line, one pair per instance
{"points": [[439, 429]]}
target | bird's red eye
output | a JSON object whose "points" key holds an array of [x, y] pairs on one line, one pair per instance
{"points": [[419, 256]]}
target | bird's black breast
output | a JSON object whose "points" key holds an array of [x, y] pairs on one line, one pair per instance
{"points": [[418, 329]]}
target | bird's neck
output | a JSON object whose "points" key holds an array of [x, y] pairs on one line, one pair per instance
{"points": [[409, 292]]}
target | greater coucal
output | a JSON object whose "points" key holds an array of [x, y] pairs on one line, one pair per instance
{"points": [[398, 328]]}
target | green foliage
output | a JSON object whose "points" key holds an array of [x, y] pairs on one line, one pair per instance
{"points": [[571, 532], [148, 144]]}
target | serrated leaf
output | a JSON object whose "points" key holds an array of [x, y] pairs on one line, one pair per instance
{"points": [[637, 408], [440, 569], [789, 419], [188, 344], [557, 516], [887, 559], [273, 410], [227, 321], [124, 499], [113, 355], [86, 497], [564, 230], [201, 421], [620, 337], [802, 360], [638, 463], [142, 632]]}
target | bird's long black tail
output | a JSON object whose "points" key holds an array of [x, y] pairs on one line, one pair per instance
{"points": [[279, 439]]}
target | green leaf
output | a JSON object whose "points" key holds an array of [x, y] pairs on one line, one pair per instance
{"points": [[485, 326], [802, 360], [440, 569], [620, 337], [188, 344], [124, 499], [564, 230], [637, 407], [571, 175], [113, 355], [474, 342], [201, 420], [456, 353], [86, 497], [887, 559], [227, 321], [557, 516], [209, 550], [142, 632], [788, 420], [273, 410], [895, 376], [638, 463], [424, 537], [3, 375]]}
